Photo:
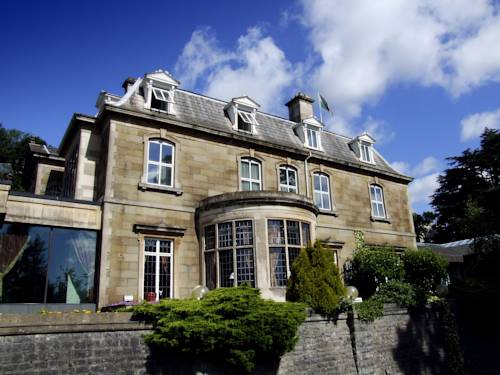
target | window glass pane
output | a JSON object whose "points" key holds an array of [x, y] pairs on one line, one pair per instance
{"points": [[292, 180], [225, 234], [226, 268], [283, 179], [23, 263], [150, 245], [276, 232], [210, 237], [378, 194], [244, 233], [245, 185], [245, 169], [324, 184], [71, 268], [149, 274], [277, 262], [165, 269], [318, 200], [325, 201], [381, 210], [255, 171], [245, 266], [154, 151], [153, 173], [293, 232], [244, 123], [165, 246], [372, 193], [166, 153], [211, 270], [375, 209], [306, 234], [166, 176], [293, 253], [317, 182], [255, 186], [314, 141]]}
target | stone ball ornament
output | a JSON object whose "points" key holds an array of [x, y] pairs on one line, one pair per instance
{"points": [[199, 291], [351, 292]]}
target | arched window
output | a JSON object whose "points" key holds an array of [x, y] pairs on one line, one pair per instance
{"points": [[322, 197], [251, 175], [160, 162], [288, 179], [377, 200]]}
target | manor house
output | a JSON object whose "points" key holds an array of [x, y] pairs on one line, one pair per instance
{"points": [[165, 189]]}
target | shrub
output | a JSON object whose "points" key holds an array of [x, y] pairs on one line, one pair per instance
{"points": [[233, 326], [372, 267], [425, 270], [315, 280], [397, 292], [369, 309]]}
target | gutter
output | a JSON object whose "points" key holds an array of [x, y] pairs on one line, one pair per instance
{"points": [[307, 172]]}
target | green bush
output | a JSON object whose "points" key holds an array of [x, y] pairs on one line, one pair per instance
{"points": [[233, 326], [315, 280], [369, 309], [397, 292], [425, 270], [373, 266]]}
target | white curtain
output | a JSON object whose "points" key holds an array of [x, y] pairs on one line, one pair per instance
{"points": [[84, 246]]}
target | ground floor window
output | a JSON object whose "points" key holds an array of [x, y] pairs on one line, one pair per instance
{"points": [[157, 268], [41, 264], [229, 254], [285, 239]]}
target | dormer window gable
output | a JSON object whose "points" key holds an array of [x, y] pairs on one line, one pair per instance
{"points": [[159, 91], [241, 112], [309, 132], [362, 146]]}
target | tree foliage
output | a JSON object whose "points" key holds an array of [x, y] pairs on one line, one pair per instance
{"points": [[424, 269], [315, 280], [467, 201], [230, 326], [423, 225], [13, 148], [374, 266]]}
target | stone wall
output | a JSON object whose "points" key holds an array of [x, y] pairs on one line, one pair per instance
{"points": [[398, 343]]}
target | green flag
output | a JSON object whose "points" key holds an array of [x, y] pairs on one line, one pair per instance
{"points": [[324, 103]]}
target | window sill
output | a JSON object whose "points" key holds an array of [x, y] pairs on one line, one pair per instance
{"points": [[162, 189], [328, 212], [380, 219]]}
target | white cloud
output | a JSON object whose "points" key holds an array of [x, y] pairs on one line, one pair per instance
{"points": [[474, 125], [422, 188], [379, 130], [367, 46], [256, 67], [427, 165]]}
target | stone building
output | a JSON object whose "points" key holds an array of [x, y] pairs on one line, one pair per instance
{"points": [[165, 189]]}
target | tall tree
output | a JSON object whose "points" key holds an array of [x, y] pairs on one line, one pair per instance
{"points": [[424, 226], [13, 148], [467, 202]]}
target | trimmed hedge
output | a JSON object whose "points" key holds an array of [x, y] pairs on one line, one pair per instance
{"points": [[230, 326]]}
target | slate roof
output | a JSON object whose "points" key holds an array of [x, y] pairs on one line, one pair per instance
{"points": [[42, 149], [208, 113]]}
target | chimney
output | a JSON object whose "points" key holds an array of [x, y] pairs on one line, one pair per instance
{"points": [[300, 107]]}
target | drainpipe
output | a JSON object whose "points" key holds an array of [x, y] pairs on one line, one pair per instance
{"points": [[307, 173]]}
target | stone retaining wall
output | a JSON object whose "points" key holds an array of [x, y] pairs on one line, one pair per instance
{"points": [[110, 343]]}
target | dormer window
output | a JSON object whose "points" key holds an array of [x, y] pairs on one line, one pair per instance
{"points": [[246, 121], [309, 132], [241, 112], [312, 137], [161, 98], [362, 146], [366, 152]]}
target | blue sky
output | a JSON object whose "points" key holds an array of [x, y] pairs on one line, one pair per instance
{"points": [[422, 77]]}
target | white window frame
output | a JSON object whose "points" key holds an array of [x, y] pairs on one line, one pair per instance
{"points": [[160, 163], [365, 152], [379, 204], [248, 117], [287, 187], [317, 132], [158, 255], [163, 95], [250, 179], [321, 177]]}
